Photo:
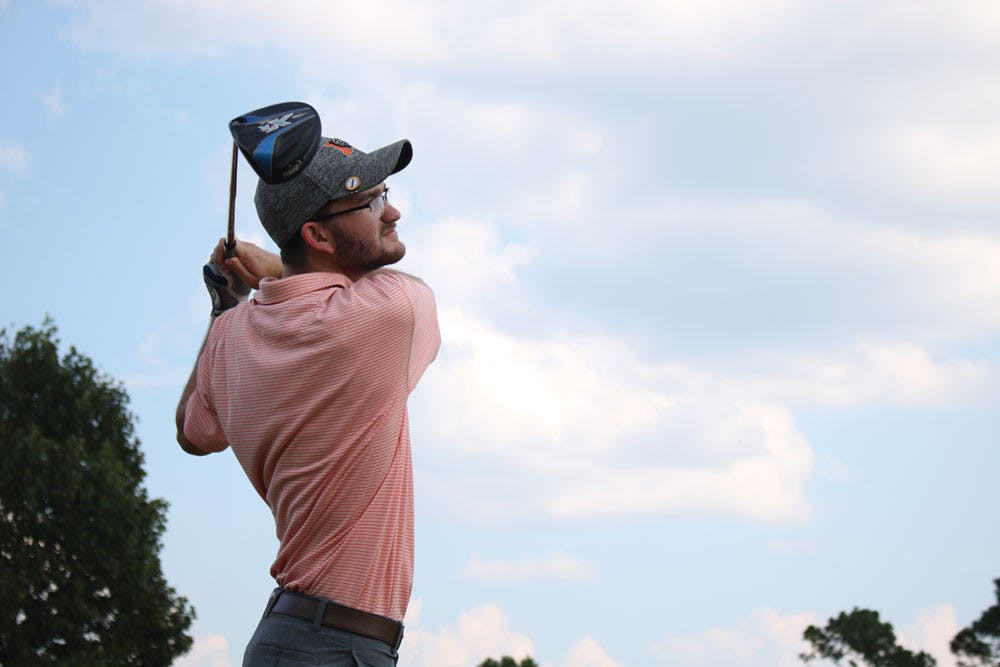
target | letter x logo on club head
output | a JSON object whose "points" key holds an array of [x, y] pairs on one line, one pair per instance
{"points": [[273, 124]]}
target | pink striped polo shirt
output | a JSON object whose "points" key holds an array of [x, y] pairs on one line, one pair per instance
{"points": [[308, 383]]}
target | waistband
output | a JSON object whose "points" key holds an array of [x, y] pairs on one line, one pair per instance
{"points": [[332, 615]]}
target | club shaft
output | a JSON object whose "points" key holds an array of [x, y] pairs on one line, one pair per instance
{"points": [[230, 249]]}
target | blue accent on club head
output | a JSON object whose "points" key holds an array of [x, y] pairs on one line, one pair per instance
{"points": [[263, 155]]}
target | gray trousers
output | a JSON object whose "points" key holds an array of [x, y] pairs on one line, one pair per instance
{"points": [[281, 641]]}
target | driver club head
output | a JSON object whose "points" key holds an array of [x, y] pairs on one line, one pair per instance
{"points": [[278, 140]]}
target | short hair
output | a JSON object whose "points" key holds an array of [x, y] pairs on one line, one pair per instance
{"points": [[293, 253]]}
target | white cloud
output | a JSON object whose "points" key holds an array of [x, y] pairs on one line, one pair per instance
{"points": [[764, 637], [935, 21], [13, 156], [595, 431], [503, 155], [589, 653], [556, 566], [930, 133], [482, 265], [932, 631], [765, 485], [479, 633], [185, 28], [594, 428], [208, 651], [933, 284], [549, 33], [870, 374], [642, 32], [956, 163], [947, 275], [544, 390]]}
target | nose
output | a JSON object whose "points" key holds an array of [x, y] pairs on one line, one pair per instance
{"points": [[390, 213]]}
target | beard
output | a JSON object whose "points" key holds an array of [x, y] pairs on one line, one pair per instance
{"points": [[365, 254]]}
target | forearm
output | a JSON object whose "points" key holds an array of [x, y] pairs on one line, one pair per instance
{"points": [[251, 263]]}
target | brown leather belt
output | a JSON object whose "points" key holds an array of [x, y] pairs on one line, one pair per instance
{"points": [[339, 617]]}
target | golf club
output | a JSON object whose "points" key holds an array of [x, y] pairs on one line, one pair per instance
{"points": [[278, 141]]}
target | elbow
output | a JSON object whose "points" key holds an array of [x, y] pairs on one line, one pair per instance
{"points": [[182, 440], [188, 446]]}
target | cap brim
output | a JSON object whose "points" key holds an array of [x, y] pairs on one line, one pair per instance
{"points": [[394, 157]]}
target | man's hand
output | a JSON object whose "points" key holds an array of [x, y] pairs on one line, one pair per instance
{"points": [[251, 263], [225, 289], [229, 280]]}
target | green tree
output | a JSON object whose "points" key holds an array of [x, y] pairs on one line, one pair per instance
{"points": [[861, 638], [979, 644], [508, 661], [80, 577]]}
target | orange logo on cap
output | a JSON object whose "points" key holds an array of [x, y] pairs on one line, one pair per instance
{"points": [[346, 150]]}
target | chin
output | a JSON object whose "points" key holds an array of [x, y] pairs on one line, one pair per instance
{"points": [[396, 254], [389, 258]]}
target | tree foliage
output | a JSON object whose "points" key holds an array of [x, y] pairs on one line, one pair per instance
{"points": [[80, 576], [508, 661], [979, 644], [861, 638]]}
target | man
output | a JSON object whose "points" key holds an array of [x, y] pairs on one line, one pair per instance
{"points": [[308, 383]]}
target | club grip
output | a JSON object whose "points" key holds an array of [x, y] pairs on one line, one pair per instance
{"points": [[229, 249]]}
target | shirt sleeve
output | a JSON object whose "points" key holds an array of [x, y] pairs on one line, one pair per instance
{"points": [[426, 338], [201, 422], [426, 333]]}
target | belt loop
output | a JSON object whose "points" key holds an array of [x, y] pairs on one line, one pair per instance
{"points": [[320, 613], [399, 638], [275, 594]]}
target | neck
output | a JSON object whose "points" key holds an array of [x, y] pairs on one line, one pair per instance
{"points": [[317, 265]]}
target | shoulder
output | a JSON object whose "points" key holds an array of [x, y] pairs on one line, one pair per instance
{"points": [[407, 296], [221, 327], [389, 278], [393, 275], [397, 286], [422, 309]]}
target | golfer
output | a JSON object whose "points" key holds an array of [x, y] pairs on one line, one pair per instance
{"points": [[308, 382]]}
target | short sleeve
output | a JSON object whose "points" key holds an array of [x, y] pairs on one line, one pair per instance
{"points": [[201, 422], [426, 333], [426, 336]]}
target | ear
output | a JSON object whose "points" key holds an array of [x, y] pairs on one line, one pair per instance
{"points": [[318, 237]]}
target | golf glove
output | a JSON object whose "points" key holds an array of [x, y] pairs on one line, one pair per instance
{"points": [[225, 289]]}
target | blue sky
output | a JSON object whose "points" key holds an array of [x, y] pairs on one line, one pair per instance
{"points": [[719, 286]]}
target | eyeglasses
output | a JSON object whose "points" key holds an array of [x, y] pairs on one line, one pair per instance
{"points": [[376, 205]]}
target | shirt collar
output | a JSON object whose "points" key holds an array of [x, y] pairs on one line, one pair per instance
{"points": [[276, 290]]}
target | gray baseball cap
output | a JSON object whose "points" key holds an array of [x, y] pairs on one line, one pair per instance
{"points": [[337, 170]]}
